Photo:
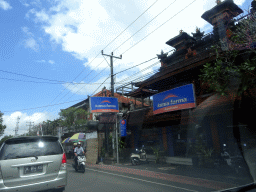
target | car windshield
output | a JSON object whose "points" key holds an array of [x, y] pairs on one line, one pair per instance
{"points": [[29, 148], [160, 94]]}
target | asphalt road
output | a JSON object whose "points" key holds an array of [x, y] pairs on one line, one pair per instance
{"points": [[103, 180]]}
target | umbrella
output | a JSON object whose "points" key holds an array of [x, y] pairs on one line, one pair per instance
{"points": [[66, 140], [77, 137]]}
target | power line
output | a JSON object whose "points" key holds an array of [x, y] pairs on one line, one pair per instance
{"points": [[48, 82], [91, 80], [100, 86], [135, 66], [45, 106], [159, 26], [130, 25], [30, 76], [145, 25], [76, 77], [83, 79], [106, 47]]}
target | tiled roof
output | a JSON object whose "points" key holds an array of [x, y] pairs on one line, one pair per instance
{"points": [[120, 98]]}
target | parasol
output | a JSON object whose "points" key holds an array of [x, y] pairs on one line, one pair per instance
{"points": [[78, 137], [66, 140]]}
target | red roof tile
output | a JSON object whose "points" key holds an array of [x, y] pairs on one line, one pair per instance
{"points": [[120, 98]]}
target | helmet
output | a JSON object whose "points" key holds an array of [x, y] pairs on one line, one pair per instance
{"points": [[78, 143]]}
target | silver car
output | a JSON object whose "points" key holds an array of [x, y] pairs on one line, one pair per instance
{"points": [[32, 164]]}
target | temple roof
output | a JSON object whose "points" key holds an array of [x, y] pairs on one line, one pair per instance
{"points": [[225, 5], [175, 41]]}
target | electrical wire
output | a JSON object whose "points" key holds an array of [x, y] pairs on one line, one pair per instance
{"points": [[130, 24], [30, 76], [158, 27], [90, 80], [49, 83], [100, 86], [45, 106], [145, 25], [99, 53], [75, 77], [106, 47]]}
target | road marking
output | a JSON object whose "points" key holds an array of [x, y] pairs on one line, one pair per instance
{"points": [[141, 180]]}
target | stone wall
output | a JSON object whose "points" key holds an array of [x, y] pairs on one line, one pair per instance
{"points": [[92, 151]]}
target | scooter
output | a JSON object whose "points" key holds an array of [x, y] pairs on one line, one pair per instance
{"points": [[139, 156], [81, 159], [236, 163]]}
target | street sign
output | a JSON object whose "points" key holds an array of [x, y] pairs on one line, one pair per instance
{"points": [[175, 99], [123, 128], [103, 105]]}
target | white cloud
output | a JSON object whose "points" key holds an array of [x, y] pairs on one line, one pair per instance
{"points": [[4, 5], [239, 2], [31, 43], [11, 120], [41, 61], [84, 29], [51, 61]]}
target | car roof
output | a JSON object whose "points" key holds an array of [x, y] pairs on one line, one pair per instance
{"points": [[54, 138]]}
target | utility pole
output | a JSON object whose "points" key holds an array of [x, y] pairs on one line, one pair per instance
{"points": [[111, 70], [29, 125], [17, 126], [112, 88]]}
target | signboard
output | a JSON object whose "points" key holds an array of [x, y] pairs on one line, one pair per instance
{"points": [[123, 128], [103, 105], [175, 99], [92, 135], [107, 118]]}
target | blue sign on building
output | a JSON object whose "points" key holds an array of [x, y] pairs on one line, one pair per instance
{"points": [[103, 105], [123, 128], [175, 99]]}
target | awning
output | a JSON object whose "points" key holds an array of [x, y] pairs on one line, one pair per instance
{"points": [[136, 117]]}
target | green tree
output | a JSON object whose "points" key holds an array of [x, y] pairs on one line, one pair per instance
{"points": [[74, 119], [234, 68], [2, 126], [5, 138]]}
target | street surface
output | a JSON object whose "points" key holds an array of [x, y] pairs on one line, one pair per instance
{"points": [[112, 178]]}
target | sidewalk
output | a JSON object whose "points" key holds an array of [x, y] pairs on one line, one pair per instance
{"points": [[208, 178]]}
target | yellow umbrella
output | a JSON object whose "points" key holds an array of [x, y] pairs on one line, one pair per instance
{"points": [[66, 140]]}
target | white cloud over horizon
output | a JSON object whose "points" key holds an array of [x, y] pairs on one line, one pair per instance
{"points": [[4, 5], [83, 29], [11, 120]]}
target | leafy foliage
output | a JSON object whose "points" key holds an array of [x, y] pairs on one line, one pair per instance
{"points": [[5, 138], [233, 69], [2, 126], [73, 118]]}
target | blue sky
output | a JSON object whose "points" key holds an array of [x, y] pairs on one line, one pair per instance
{"points": [[58, 40]]}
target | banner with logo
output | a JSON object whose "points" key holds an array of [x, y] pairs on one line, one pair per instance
{"points": [[103, 105], [123, 128], [175, 99]]}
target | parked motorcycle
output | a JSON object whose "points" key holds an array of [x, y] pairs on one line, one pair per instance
{"points": [[81, 159], [236, 163], [139, 156]]}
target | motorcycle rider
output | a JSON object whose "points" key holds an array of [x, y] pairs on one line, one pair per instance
{"points": [[78, 151]]}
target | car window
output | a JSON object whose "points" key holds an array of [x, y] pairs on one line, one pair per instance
{"points": [[30, 148]]}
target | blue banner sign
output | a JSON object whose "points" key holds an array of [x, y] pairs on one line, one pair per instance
{"points": [[123, 128], [175, 99], [104, 104]]}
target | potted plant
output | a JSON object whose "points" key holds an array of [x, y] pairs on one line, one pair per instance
{"points": [[208, 161], [156, 152]]}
